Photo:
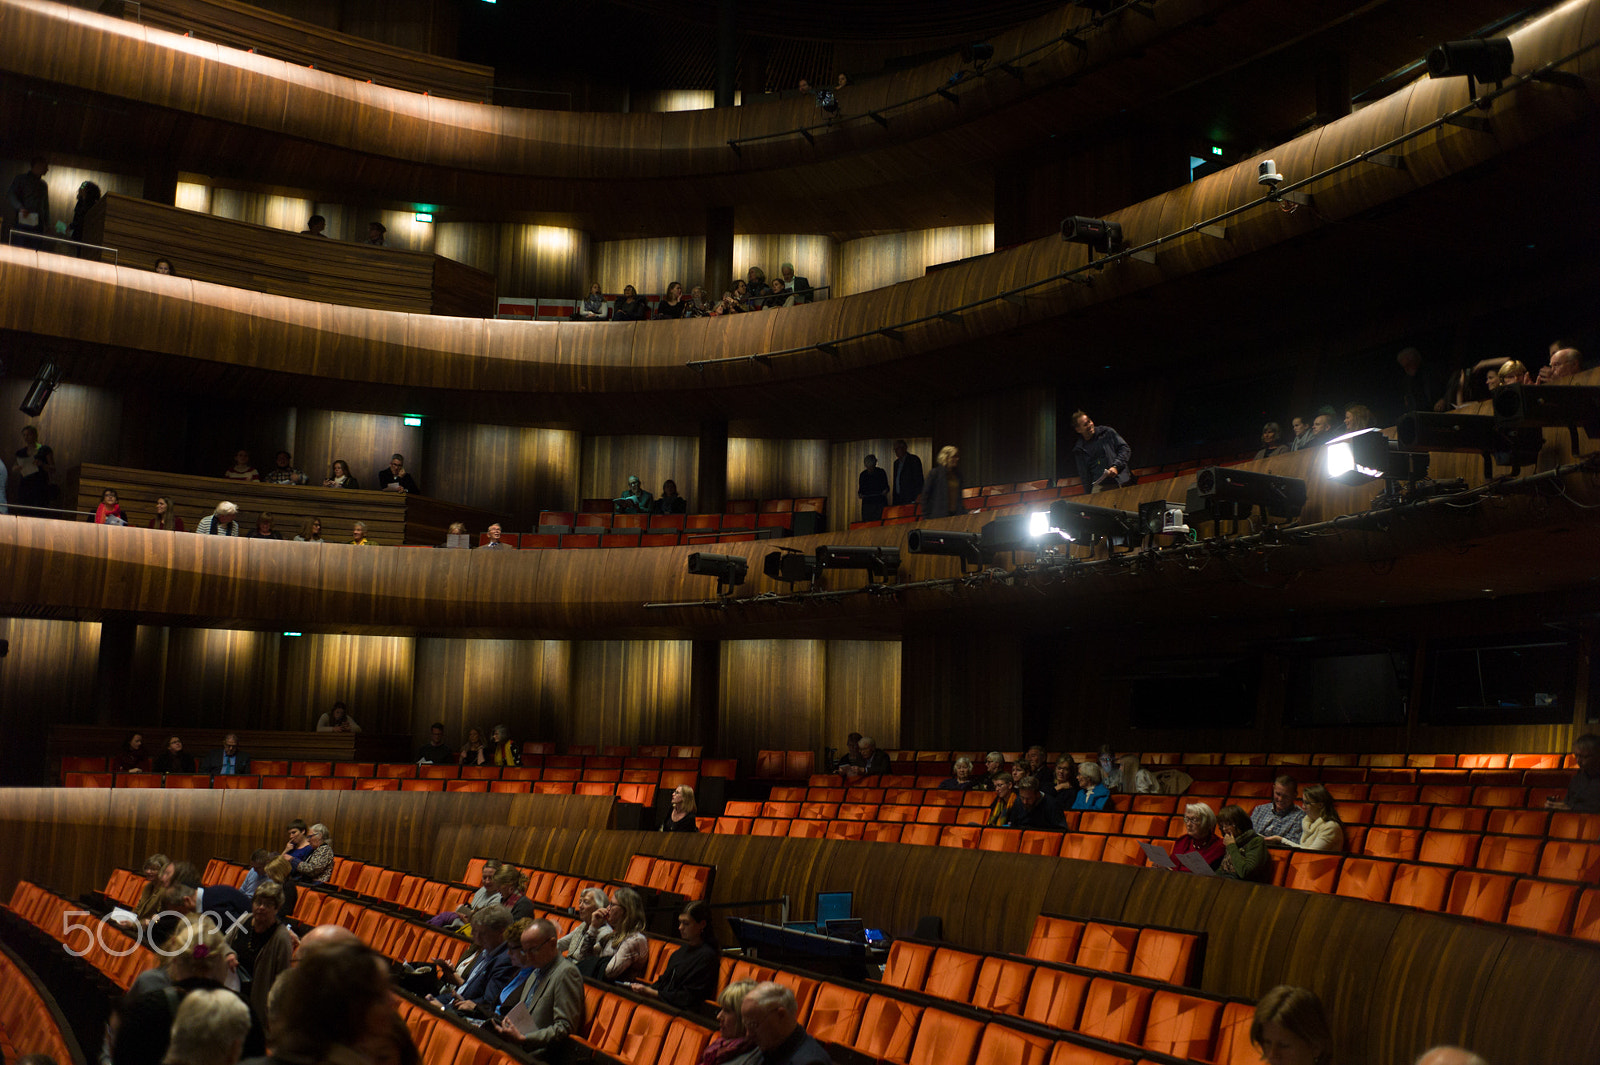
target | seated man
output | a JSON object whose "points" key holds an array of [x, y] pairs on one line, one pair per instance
{"points": [[635, 500], [226, 760], [871, 761], [175, 759], [396, 478], [1271, 442], [258, 871], [801, 287], [551, 1007], [435, 751], [1032, 808], [284, 471], [1583, 791], [1280, 817], [771, 1021], [495, 533]]}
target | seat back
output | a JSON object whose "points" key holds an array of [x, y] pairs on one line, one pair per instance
{"points": [[1107, 947], [1115, 1011], [888, 1028], [1184, 1026]]}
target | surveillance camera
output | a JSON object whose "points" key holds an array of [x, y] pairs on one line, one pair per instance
{"points": [[1172, 522], [1267, 174]]}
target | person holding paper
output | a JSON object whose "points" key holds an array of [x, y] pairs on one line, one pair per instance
{"points": [[1199, 835], [34, 465], [551, 1007]]}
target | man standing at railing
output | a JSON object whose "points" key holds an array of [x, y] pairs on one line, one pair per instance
{"points": [[30, 199]]}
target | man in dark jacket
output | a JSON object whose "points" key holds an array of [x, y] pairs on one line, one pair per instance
{"points": [[1104, 459], [1032, 808], [906, 479]]}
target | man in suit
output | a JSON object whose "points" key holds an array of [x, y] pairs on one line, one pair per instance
{"points": [[552, 996], [799, 287], [480, 991], [906, 481], [226, 760]]}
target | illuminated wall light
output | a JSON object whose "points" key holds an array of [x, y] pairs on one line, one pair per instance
{"points": [[553, 238], [413, 421], [1215, 150], [294, 634], [424, 216]]}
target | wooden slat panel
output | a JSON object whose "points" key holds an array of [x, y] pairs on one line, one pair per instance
{"points": [[628, 692], [508, 471], [776, 469], [477, 683], [609, 460], [844, 473], [373, 675], [772, 692], [863, 692], [47, 678], [874, 262], [650, 265]]}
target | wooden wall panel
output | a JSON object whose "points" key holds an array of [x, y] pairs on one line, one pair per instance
{"points": [[544, 261], [288, 213], [372, 674], [963, 692], [772, 696], [1003, 436], [776, 469], [475, 243], [651, 265], [80, 424], [509, 470], [844, 472], [608, 460], [363, 441], [477, 683], [813, 254], [863, 691], [48, 676], [218, 676], [628, 692], [873, 262]]}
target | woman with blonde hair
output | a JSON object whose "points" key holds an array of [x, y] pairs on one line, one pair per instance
{"points": [[681, 819], [626, 951], [1322, 829], [731, 1039], [941, 492], [1136, 779]]}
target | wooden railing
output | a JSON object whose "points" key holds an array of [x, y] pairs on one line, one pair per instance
{"points": [[262, 259], [391, 518], [268, 33]]}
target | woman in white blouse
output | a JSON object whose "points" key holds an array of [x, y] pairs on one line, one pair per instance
{"points": [[1322, 830]]}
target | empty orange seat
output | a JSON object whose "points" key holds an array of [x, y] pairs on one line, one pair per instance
{"points": [[945, 1039], [1115, 1011], [1499, 796], [1055, 939], [1448, 848], [1083, 847], [1123, 850], [952, 974], [1423, 887], [1184, 1026], [1484, 896], [1068, 1053], [1055, 998], [1002, 986], [1101, 821], [269, 767], [844, 830], [888, 1027], [836, 1014], [1586, 919], [1563, 860], [908, 965], [1165, 955], [966, 837], [1509, 854], [920, 834], [1458, 818], [1400, 843], [1542, 906], [1008, 1046], [1311, 871], [882, 832], [1565, 824], [1107, 947], [1038, 841]]}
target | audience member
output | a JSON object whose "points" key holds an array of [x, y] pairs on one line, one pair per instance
{"points": [[771, 1019], [1033, 808], [133, 757], [494, 533], [486, 895], [1064, 782], [681, 818], [263, 945], [358, 535], [907, 475], [1271, 442], [673, 304], [799, 287], [1199, 836], [166, 517], [1245, 852], [434, 752], [337, 719], [1302, 433], [669, 502], [227, 760], [1280, 817], [284, 471], [1583, 790], [1290, 1028], [851, 756], [455, 535], [395, 478], [376, 234], [756, 288], [339, 476], [728, 304], [1449, 1056], [492, 968], [872, 762], [318, 865], [697, 306], [1513, 372], [164, 266], [960, 778], [88, 196], [1004, 788], [993, 762], [635, 499], [263, 529], [1357, 416], [1423, 388], [507, 751], [258, 871], [626, 951], [175, 759], [941, 494], [1104, 459], [278, 871], [474, 751], [241, 470], [1564, 362], [220, 522], [198, 961], [336, 1005], [1092, 792], [1035, 763], [1322, 426], [315, 226], [209, 1028], [630, 308], [30, 199], [109, 512], [691, 974], [34, 466], [311, 532], [592, 308], [552, 997], [298, 846], [1135, 779], [730, 1041], [1321, 829], [584, 939], [872, 488], [777, 295]]}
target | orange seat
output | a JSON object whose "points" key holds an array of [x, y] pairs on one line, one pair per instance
{"points": [[844, 830], [1123, 850], [908, 965], [1499, 796], [1055, 939], [1518, 855], [888, 1027], [1402, 843], [882, 832], [1067, 1053], [1115, 1011], [952, 974], [1002, 986], [1312, 871], [1165, 955], [1449, 848], [1055, 998], [1458, 818], [966, 837], [684, 1043], [1083, 847], [1008, 1046], [1542, 906], [269, 767], [1484, 896], [1563, 860], [1423, 887], [1184, 1026], [836, 1014], [1568, 825], [1107, 947], [1038, 841], [921, 835], [945, 1039]]}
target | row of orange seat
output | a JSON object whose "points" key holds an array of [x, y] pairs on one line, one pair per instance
{"points": [[638, 794], [1285, 761], [533, 767], [105, 946], [27, 1024]]}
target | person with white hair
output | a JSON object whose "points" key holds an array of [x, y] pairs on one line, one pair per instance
{"points": [[771, 1022], [209, 1029], [1199, 836], [1445, 1055], [318, 865], [224, 521]]}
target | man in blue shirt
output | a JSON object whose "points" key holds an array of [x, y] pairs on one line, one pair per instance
{"points": [[1280, 817], [227, 760]]}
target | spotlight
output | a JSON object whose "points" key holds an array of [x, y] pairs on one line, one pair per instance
{"points": [[1018, 532], [1484, 60], [967, 546], [1367, 455], [1084, 524], [977, 53], [729, 570], [44, 383], [1428, 431], [1575, 407], [879, 562], [789, 565], [1099, 234], [1281, 497]]}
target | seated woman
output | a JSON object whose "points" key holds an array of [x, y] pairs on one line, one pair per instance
{"points": [[109, 512], [1135, 778], [166, 518], [592, 308], [993, 762], [1199, 835], [625, 953], [475, 751], [756, 290], [484, 896], [507, 751], [630, 308], [197, 956], [669, 502], [133, 757], [278, 871], [728, 304], [1000, 808], [339, 476], [1322, 830], [1290, 1028], [1064, 789], [674, 304], [741, 297], [731, 1041], [961, 778], [1092, 794], [682, 817], [691, 974], [585, 937], [318, 865], [1245, 856], [509, 882]]}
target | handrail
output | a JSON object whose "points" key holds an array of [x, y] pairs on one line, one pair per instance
{"points": [[1462, 115], [27, 236]]}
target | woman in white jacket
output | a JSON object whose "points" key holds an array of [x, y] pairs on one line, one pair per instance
{"points": [[1322, 830]]}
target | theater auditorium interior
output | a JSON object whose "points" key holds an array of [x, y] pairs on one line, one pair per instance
{"points": [[407, 236]]}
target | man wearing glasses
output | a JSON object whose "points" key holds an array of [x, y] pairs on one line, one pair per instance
{"points": [[769, 1019], [551, 1005]]}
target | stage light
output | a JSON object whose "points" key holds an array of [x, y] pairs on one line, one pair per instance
{"points": [[1018, 532], [881, 562], [729, 570], [1099, 234], [1367, 455], [1575, 407], [967, 546], [1282, 497], [44, 383], [1084, 524], [1483, 60], [789, 565]]}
